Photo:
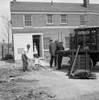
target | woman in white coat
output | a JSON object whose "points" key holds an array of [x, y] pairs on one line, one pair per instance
{"points": [[35, 51]]}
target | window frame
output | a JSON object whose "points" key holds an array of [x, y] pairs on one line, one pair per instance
{"points": [[82, 22], [48, 19], [27, 20], [83, 19], [63, 19]]}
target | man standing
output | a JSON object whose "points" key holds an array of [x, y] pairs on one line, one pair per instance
{"points": [[52, 49], [25, 57], [59, 47]]}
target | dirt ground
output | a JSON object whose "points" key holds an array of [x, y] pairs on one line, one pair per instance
{"points": [[44, 84]]}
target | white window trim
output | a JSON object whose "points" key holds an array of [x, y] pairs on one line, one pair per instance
{"points": [[47, 19], [14, 12], [24, 21], [61, 18], [46, 50]]}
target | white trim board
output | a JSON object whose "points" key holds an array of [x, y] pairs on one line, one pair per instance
{"points": [[53, 27], [83, 12]]}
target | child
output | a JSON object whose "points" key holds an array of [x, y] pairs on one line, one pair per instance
{"points": [[37, 62]]}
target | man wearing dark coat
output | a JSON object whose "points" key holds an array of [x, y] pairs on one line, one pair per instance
{"points": [[59, 56], [52, 49]]}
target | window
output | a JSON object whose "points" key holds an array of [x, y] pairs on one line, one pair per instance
{"points": [[67, 42], [46, 43], [19, 50], [28, 21], [49, 19], [83, 19], [63, 19]]}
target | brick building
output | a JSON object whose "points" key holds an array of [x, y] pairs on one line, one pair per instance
{"points": [[41, 21]]}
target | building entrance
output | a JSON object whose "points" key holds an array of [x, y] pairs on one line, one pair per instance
{"points": [[36, 40]]}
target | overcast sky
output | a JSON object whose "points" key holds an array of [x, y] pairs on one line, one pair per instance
{"points": [[5, 4], [5, 7]]}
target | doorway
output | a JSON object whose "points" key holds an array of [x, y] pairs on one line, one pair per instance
{"points": [[36, 39]]}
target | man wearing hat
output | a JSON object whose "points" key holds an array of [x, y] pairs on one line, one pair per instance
{"points": [[59, 47], [52, 49]]}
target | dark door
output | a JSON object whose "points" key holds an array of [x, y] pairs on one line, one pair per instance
{"points": [[36, 39]]}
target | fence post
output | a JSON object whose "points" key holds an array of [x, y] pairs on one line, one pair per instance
{"points": [[2, 51]]}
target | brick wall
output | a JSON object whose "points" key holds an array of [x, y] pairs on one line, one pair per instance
{"points": [[38, 20], [73, 20], [92, 20], [41, 20], [97, 19], [17, 20], [54, 33]]}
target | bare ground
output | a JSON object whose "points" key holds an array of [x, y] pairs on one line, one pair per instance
{"points": [[44, 84]]}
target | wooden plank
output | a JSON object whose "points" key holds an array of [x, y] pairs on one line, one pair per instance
{"points": [[74, 60]]}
